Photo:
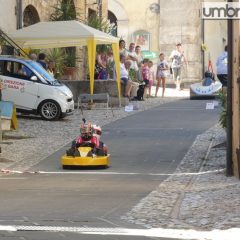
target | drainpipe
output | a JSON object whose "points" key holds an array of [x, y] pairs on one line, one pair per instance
{"points": [[229, 167], [19, 14], [203, 52]]}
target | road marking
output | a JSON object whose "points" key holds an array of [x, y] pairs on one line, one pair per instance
{"points": [[142, 128], [183, 234], [12, 178], [110, 173]]}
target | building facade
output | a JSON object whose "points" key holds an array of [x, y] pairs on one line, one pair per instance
{"points": [[155, 25]]}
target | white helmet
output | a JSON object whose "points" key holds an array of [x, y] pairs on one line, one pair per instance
{"points": [[97, 131]]}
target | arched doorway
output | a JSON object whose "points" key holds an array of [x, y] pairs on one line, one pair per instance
{"points": [[121, 15], [30, 16], [113, 19]]}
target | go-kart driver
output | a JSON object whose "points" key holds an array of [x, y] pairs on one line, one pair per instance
{"points": [[90, 135]]}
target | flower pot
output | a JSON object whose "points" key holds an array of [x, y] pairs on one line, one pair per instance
{"points": [[70, 73]]}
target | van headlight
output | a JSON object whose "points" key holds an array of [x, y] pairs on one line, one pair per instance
{"points": [[63, 94]]}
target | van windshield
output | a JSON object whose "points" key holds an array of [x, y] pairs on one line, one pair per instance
{"points": [[47, 77]]}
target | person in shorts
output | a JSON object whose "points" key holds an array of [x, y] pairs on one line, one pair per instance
{"points": [[145, 74], [161, 74]]}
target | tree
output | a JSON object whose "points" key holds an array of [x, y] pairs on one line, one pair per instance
{"points": [[64, 10], [103, 25]]}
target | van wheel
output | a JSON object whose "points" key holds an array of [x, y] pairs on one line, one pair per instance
{"points": [[50, 110]]}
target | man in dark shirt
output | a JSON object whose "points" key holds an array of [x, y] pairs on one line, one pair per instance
{"points": [[41, 60]]}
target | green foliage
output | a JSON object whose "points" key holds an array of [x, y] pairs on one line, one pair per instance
{"points": [[56, 55], [2, 41], [70, 57], [133, 75], [103, 25], [222, 96], [36, 51], [110, 67], [64, 10]]}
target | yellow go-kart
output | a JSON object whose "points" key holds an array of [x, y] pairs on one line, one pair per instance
{"points": [[84, 157]]}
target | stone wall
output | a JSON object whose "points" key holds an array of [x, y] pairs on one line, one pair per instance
{"points": [[8, 21], [180, 22], [100, 86]]}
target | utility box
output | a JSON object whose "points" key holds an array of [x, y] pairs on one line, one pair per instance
{"points": [[8, 116]]}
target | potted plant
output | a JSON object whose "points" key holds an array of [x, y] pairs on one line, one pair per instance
{"points": [[65, 10], [223, 114], [57, 55], [70, 59]]}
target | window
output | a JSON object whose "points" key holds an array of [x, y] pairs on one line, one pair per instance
{"points": [[16, 70], [142, 38]]}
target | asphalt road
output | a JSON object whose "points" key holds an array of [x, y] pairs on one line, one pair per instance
{"points": [[74, 204]]}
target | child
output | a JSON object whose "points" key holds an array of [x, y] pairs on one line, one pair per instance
{"points": [[90, 136], [145, 74], [161, 73], [151, 76]]}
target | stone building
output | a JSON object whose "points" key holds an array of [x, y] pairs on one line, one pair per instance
{"points": [[156, 25], [16, 14], [165, 22]]}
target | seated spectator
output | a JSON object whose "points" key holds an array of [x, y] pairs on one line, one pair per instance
{"points": [[124, 75]]}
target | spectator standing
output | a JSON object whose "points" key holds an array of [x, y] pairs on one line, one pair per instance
{"points": [[145, 74], [161, 74], [177, 57], [41, 60], [26, 71], [139, 62], [33, 57], [51, 68], [132, 56], [222, 68], [151, 76], [122, 48]]}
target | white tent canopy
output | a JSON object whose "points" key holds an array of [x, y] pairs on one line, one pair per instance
{"points": [[59, 34], [44, 35]]}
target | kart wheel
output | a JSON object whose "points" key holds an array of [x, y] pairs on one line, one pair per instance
{"points": [[66, 167], [50, 110]]}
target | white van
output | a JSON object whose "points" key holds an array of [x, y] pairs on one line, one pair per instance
{"points": [[33, 89]]}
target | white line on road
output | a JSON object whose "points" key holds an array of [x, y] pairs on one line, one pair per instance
{"points": [[111, 173], [227, 234], [12, 178]]}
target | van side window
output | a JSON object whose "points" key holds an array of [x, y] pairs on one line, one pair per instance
{"points": [[17, 70]]}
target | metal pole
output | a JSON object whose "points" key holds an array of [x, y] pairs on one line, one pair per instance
{"points": [[229, 167]]}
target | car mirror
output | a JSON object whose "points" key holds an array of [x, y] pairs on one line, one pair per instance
{"points": [[34, 78]]}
